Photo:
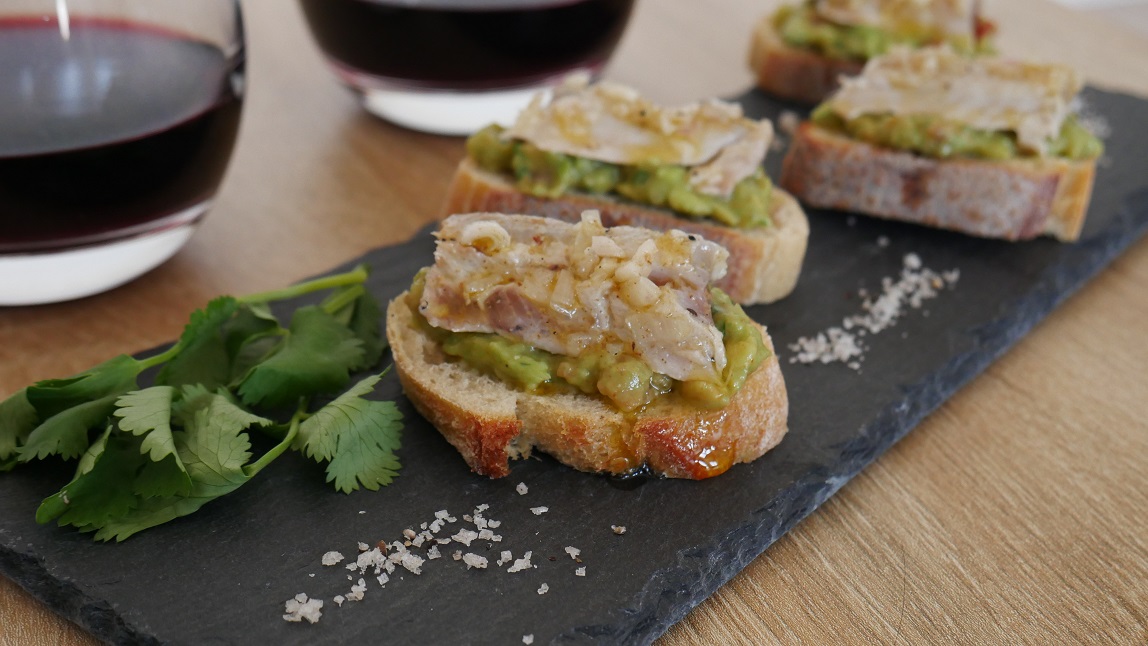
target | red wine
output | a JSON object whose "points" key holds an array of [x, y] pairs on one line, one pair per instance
{"points": [[109, 132], [466, 44]]}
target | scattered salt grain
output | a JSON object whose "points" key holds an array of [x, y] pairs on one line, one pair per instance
{"points": [[474, 561], [433, 553], [573, 552], [409, 534], [301, 608], [580, 571], [481, 508], [312, 575], [357, 591], [618, 529], [543, 589], [505, 557], [363, 547], [457, 555], [520, 564], [383, 578], [485, 535], [522, 488], [528, 639], [465, 536], [493, 524], [339, 599], [413, 563], [883, 241], [915, 285], [538, 511], [332, 558]]}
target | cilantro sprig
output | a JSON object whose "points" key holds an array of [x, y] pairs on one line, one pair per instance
{"points": [[149, 455]]}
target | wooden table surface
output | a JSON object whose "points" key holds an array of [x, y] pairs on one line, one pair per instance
{"points": [[1018, 512]]}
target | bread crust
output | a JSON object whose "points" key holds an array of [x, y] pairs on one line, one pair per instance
{"points": [[764, 263], [792, 73], [1014, 199], [490, 423]]}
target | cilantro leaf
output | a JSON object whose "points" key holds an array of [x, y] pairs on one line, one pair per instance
{"points": [[147, 412], [357, 436], [219, 407], [96, 494], [113, 377], [202, 356], [168, 477], [17, 420], [317, 356], [66, 433], [214, 454], [365, 323]]}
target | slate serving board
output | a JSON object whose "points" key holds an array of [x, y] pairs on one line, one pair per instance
{"points": [[223, 574]]}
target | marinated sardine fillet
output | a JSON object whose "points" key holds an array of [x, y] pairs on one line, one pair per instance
{"points": [[941, 17], [569, 288], [994, 94], [613, 123]]}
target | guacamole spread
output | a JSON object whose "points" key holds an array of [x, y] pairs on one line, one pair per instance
{"points": [[547, 174], [943, 138], [627, 382], [800, 26]]}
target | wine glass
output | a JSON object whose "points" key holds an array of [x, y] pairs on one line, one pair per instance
{"points": [[117, 121], [454, 66]]}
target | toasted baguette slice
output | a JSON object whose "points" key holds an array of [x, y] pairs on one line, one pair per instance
{"points": [[793, 73], [764, 263], [490, 423], [1015, 199]]}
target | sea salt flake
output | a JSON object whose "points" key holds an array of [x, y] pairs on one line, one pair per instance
{"points": [[520, 564], [538, 511], [543, 589], [522, 488], [474, 561], [332, 558], [465, 536], [301, 608]]}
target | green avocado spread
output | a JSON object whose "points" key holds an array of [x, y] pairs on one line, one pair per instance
{"points": [[625, 380], [933, 136], [547, 174], [801, 26]]}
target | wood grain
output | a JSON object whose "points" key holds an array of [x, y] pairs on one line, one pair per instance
{"points": [[945, 539]]}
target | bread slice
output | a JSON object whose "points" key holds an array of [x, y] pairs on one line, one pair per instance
{"points": [[490, 423], [793, 73], [764, 263], [1016, 199]]}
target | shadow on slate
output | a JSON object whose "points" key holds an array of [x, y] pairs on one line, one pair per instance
{"points": [[223, 574]]}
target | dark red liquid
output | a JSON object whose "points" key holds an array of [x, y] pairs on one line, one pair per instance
{"points": [[110, 132], [467, 44]]}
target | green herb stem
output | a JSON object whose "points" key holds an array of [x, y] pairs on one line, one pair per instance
{"points": [[278, 449], [339, 300], [353, 277], [163, 357]]}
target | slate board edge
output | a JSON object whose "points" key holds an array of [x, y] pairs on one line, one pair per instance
{"points": [[674, 591]]}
